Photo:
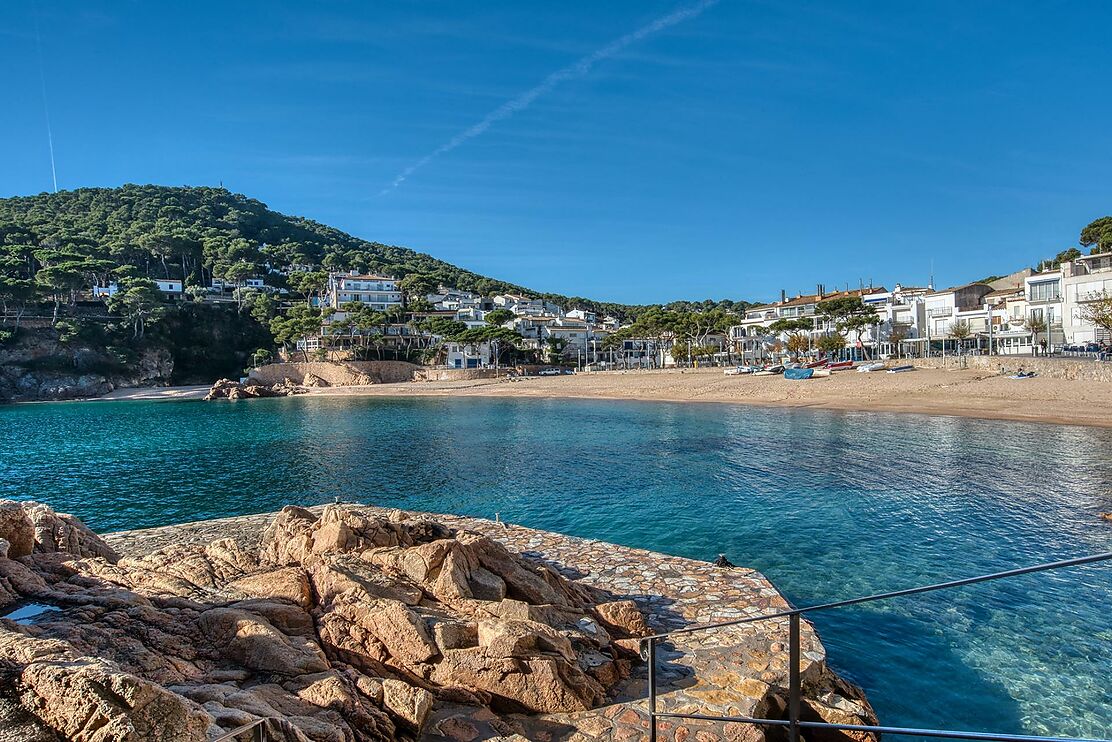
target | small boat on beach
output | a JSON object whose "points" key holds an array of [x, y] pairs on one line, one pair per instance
{"points": [[798, 373], [839, 365], [821, 373], [769, 371], [815, 364], [901, 369], [869, 367]]}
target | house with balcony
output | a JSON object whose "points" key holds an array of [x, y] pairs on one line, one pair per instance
{"points": [[1044, 301], [381, 293], [578, 337], [1084, 280], [751, 337], [944, 307]]}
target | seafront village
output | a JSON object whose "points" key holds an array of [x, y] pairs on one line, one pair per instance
{"points": [[1062, 309]]}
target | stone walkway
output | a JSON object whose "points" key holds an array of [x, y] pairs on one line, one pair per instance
{"points": [[734, 671]]}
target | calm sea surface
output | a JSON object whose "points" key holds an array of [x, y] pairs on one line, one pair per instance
{"points": [[828, 505]]}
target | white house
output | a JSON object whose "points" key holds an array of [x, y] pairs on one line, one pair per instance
{"points": [[576, 335], [467, 355], [1044, 301], [106, 291], [169, 285], [1084, 280], [378, 292]]}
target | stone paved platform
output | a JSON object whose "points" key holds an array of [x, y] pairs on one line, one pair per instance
{"points": [[733, 671]]}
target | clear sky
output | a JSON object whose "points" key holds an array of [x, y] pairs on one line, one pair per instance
{"points": [[728, 152]]}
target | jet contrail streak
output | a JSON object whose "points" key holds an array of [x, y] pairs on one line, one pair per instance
{"points": [[571, 72], [45, 107]]}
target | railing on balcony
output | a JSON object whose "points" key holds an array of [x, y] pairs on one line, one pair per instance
{"points": [[794, 724]]}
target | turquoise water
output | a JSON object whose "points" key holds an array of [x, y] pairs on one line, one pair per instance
{"points": [[828, 505]]}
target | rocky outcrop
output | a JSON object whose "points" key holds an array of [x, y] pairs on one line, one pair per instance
{"points": [[39, 366], [30, 527], [229, 389], [350, 625]]}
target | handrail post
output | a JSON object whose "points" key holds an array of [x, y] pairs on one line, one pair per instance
{"points": [[793, 677], [258, 734], [652, 690]]}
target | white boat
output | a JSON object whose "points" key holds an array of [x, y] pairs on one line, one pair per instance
{"points": [[875, 366], [821, 373], [901, 369]]}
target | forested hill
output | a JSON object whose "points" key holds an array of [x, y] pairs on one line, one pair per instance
{"points": [[198, 232]]}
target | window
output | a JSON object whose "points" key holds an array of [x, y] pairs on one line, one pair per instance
{"points": [[1044, 291]]}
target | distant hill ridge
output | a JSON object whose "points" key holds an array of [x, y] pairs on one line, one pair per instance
{"points": [[188, 231]]}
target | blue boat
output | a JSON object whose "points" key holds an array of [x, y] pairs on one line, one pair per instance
{"points": [[798, 373]]}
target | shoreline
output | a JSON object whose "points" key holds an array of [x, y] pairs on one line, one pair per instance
{"points": [[972, 394], [931, 392]]}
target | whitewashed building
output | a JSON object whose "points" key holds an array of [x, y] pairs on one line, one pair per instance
{"points": [[378, 292], [1084, 280]]}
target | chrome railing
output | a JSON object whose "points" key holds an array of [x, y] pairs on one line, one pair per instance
{"points": [[793, 723]]}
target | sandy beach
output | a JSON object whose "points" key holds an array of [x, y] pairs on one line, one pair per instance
{"points": [[965, 393]]}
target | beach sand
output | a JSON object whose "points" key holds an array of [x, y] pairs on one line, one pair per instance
{"points": [[966, 393]]}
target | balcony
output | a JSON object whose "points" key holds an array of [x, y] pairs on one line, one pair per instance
{"points": [[940, 312]]}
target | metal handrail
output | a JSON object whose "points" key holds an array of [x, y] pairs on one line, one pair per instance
{"points": [[793, 723], [257, 727]]}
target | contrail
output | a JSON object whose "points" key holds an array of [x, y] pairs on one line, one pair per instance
{"points": [[571, 72], [45, 107]]}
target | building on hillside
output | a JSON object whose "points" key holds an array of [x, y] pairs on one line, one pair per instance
{"points": [[381, 293], [585, 315], [524, 306], [106, 291], [170, 286], [532, 327], [454, 299], [471, 316], [1085, 280]]}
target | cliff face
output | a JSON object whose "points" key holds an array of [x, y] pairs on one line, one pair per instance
{"points": [[37, 365]]}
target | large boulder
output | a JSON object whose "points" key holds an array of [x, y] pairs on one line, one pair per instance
{"points": [[31, 527]]}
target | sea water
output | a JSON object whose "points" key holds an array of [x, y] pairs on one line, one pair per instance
{"points": [[828, 505]]}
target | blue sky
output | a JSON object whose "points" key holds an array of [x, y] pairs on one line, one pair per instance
{"points": [[754, 147]]}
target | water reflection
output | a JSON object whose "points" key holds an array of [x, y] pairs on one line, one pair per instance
{"points": [[829, 505]]}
